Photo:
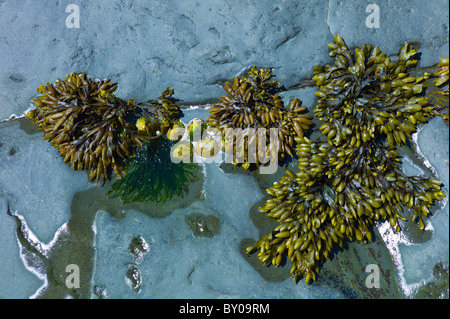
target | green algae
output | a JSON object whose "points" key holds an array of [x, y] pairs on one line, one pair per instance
{"points": [[152, 176]]}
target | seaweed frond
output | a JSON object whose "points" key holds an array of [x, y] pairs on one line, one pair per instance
{"points": [[151, 176], [369, 106], [94, 129], [251, 103]]}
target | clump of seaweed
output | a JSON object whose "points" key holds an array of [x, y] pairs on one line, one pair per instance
{"points": [[435, 91], [153, 176], [94, 129], [369, 106], [442, 73], [251, 103]]}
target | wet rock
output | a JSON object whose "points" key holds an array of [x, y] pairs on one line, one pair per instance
{"points": [[203, 225], [190, 46], [138, 248], [438, 287], [133, 277], [397, 24], [12, 151]]}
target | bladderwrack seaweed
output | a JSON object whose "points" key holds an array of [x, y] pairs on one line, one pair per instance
{"points": [[252, 103], [94, 129], [369, 106]]}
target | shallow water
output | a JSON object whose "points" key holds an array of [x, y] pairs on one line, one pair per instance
{"points": [[195, 245]]}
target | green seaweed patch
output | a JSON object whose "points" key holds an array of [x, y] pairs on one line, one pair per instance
{"points": [[203, 225], [152, 176]]}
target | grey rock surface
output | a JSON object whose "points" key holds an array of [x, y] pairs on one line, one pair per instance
{"points": [[423, 23], [194, 47]]}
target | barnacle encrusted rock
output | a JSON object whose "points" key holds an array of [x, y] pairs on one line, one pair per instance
{"points": [[252, 103], [369, 106], [94, 129]]}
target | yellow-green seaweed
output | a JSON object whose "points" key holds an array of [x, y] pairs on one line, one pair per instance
{"points": [[369, 105], [437, 90], [94, 129], [252, 102]]}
